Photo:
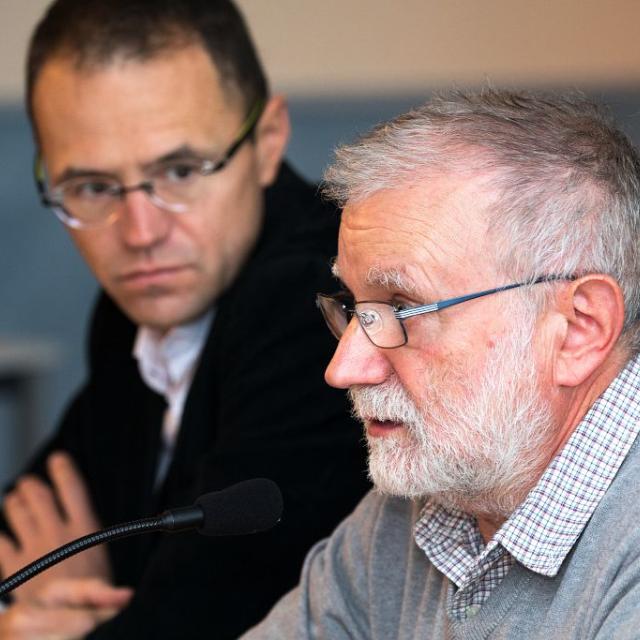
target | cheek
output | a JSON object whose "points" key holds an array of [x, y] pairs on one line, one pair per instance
{"points": [[98, 249], [227, 227], [416, 368], [235, 200], [433, 374], [232, 222]]}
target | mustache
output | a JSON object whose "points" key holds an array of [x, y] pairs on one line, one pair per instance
{"points": [[384, 402]]}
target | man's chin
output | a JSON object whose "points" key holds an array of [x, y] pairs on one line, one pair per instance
{"points": [[385, 485], [392, 464], [161, 312]]}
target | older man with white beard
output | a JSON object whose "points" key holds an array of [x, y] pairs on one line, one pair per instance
{"points": [[489, 340]]}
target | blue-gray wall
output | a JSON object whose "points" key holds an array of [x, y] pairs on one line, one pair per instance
{"points": [[46, 290]]}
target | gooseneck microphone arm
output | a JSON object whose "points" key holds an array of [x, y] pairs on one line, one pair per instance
{"points": [[247, 507], [145, 525]]}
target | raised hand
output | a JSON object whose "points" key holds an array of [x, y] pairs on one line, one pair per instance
{"points": [[63, 609], [44, 517]]}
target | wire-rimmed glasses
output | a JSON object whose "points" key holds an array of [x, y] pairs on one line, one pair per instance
{"points": [[383, 322], [173, 184]]}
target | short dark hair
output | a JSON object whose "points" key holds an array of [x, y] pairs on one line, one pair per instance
{"points": [[94, 32]]}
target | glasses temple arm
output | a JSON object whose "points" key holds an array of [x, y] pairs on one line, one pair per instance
{"points": [[472, 296], [245, 131]]}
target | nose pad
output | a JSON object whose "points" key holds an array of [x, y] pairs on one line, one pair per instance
{"points": [[149, 190], [172, 207]]}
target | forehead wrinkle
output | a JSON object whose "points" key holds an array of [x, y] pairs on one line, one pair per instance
{"points": [[402, 240]]}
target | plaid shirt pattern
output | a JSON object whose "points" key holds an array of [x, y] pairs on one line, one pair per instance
{"points": [[543, 529]]}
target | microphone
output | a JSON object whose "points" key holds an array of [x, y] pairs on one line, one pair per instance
{"points": [[244, 508], [247, 507]]}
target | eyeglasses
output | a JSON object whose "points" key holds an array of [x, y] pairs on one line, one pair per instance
{"points": [[383, 322], [173, 185]]}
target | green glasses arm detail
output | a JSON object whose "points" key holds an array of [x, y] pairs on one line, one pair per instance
{"points": [[39, 178], [245, 131]]}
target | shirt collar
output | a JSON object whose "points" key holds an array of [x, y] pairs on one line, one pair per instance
{"points": [[166, 361], [543, 529]]}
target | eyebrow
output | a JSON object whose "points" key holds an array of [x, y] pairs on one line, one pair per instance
{"points": [[396, 278], [74, 172], [185, 152]]}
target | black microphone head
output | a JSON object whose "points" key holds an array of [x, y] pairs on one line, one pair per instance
{"points": [[247, 507]]}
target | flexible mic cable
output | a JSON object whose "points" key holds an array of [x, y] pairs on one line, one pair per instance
{"points": [[244, 508]]}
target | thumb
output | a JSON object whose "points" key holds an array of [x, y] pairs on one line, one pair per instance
{"points": [[83, 592]]}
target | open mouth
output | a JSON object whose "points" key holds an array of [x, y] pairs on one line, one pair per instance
{"points": [[381, 428]]}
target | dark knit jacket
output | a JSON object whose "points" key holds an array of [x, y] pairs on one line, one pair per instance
{"points": [[258, 406]]}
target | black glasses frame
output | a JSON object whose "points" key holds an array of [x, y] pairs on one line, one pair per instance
{"points": [[207, 168]]}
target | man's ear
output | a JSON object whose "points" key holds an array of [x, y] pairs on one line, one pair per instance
{"points": [[272, 135], [592, 309]]}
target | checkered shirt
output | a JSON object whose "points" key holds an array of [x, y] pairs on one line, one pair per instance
{"points": [[543, 529]]}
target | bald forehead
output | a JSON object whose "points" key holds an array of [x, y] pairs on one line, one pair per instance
{"points": [[398, 237]]}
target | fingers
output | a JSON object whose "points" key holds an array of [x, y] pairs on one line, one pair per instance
{"points": [[8, 555], [39, 501], [84, 592], [71, 490], [7, 546], [43, 518], [63, 610], [20, 519], [27, 621], [34, 517]]}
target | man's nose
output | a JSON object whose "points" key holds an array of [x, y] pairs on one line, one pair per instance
{"points": [[356, 360], [142, 223]]}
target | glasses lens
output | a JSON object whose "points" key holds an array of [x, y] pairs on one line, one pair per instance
{"points": [[380, 324], [335, 314], [180, 181], [88, 200]]}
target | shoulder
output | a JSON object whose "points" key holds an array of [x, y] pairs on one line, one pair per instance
{"points": [[292, 261], [602, 573], [618, 513], [609, 546], [298, 220]]}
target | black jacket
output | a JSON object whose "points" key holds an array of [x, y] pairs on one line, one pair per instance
{"points": [[258, 406]]}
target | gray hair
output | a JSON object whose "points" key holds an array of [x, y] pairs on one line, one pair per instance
{"points": [[566, 180]]}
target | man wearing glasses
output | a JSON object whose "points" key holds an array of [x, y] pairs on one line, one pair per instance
{"points": [[488, 336], [157, 139]]}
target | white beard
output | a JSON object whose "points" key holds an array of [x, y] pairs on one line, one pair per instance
{"points": [[474, 447]]}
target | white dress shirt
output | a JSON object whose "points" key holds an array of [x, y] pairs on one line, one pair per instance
{"points": [[167, 363]]}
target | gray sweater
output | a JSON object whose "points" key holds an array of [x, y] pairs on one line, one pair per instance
{"points": [[370, 580]]}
